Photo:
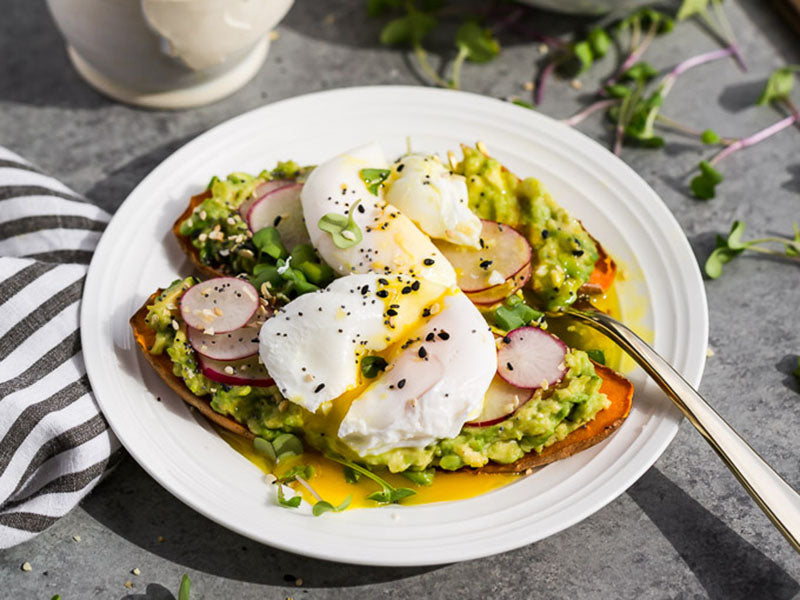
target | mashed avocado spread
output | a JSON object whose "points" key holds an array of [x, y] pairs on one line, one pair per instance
{"points": [[548, 417], [564, 254]]}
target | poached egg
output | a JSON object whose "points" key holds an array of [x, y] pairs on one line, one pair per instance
{"points": [[434, 198], [439, 352], [391, 243]]}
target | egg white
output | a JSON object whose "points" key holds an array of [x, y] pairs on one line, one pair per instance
{"points": [[391, 242]]}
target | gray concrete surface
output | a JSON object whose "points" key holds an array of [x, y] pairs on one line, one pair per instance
{"points": [[685, 530]]}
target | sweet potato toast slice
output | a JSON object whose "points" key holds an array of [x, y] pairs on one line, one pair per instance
{"points": [[186, 242], [618, 389], [145, 338]]}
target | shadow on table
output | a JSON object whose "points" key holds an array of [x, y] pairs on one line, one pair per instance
{"points": [[726, 565], [110, 192], [34, 69], [134, 506]]}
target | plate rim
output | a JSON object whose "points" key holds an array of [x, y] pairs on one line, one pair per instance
{"points": [[667, 430]]}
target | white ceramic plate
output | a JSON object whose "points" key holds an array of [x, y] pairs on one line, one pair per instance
{"points": [[178, 448]]}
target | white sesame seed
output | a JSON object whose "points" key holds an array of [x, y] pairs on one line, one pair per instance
{"points": [[26, 566]]}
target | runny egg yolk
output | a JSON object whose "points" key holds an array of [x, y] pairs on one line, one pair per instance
{"points": [[329, 482]]}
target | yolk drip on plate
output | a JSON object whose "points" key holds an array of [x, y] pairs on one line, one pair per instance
{"points": [[329, 482]]}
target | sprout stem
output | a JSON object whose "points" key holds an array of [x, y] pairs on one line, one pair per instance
{"points": [[544, 74], [589, 110], [634, 56], [755, 138], [427, 69]]}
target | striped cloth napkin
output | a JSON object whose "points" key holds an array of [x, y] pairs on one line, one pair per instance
{"points": [[55, 444]]}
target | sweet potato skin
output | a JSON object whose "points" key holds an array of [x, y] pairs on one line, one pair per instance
{"points": [[615, 386], [618, 389], [186, 242], [161, 363]]}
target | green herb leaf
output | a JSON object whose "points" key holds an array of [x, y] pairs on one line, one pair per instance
{"points": [[779, 85], [321, 507], [617, 90], [420, 477], [324, 506], [401, 493], [721, 255], [523, 103], [292, 502], [689, 8], [304, 471], [597, 356], [710, 137], [583, 52], [265, 448], [734, 240], [374, 178], [343, 229], [600, 42], [410, 29], [186, 584], [287, 445], [351, 476], [704, 185], [372, 365], [476, 42], [268, 241], [640, 72], [388, 492]]}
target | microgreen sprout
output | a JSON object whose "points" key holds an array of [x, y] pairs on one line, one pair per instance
{"points": [[186, 585], [733, 245], [388, 494], [323, 506], [343, 229], [374, 178], [371, 366], [597, 356], [796, 372], [776, 91]]}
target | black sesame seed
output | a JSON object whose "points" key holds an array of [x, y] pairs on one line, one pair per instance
{"points": [[415, 286], [401, 384], [406, 290], [364, 289], [430, 337], [361, 208], [485, 264], [545, 234], [400, 167], [577, 253], [422, 352], [506, 340], [444, 335], [428, 262], [391, 312], [319, 388], [509, 366], [382, 294]]}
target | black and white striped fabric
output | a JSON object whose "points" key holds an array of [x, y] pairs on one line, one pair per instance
{"points": [[54, 443]]}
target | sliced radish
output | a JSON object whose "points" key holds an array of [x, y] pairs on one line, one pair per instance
{"points": [[234, 345], [248, 371], [498, 293], [281, 209], [219, 305], [530, 358], [503, 252], [261, 191], [501, 401]]}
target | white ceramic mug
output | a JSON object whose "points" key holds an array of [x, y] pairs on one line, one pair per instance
{"points": [[167, 53]]}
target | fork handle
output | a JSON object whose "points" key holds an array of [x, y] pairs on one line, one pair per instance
{"points": [[772, 494]]}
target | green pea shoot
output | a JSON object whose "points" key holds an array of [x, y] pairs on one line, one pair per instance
{"points": [[733, 245]]}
